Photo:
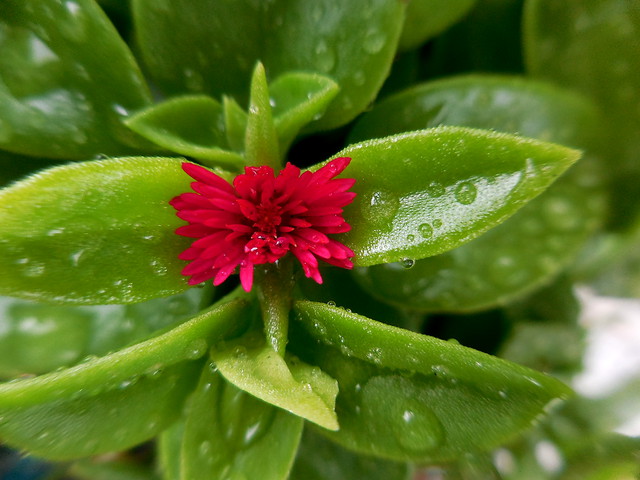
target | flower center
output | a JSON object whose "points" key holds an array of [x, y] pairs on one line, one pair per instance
{"points": [[267, 218]]}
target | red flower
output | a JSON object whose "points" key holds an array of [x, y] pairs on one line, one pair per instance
{"points": [[261, 217]]}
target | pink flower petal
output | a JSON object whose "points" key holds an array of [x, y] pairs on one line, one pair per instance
{"points": [[261, 217]]}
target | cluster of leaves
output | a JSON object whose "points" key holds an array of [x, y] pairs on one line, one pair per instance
{"points": [[457, 226]]}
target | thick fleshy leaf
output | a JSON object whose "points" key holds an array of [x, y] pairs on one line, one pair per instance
{"points": [[113, 419], [535, 244], [187, 341], [29, 331], [546, 334], [235, 119], [288, 383], [427, 18], [111, 469], [168, 456], [67, 80], [407, 396], [29, 334], [592, 46], [207, 46], [116, 401], [320, 459], [231, 434], [189, 125], [425, 192], [261, 141], [95, 232], [298, 98]]}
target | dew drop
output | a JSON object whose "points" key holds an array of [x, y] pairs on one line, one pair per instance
{"points": [[375, 355], [415, 426], [435, 189], [437, 223], [373, 41], [440, 371], [196, 349], [408, 263], [466, 193], [381, 207], [240, 351], [158, 268], [205, 448], [331, 303], [34, 269], [359, 78], [120, 110], [325, 57], [426, 231], [193, 80]]}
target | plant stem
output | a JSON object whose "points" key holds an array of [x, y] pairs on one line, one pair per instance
{"points": [[275, 285]]}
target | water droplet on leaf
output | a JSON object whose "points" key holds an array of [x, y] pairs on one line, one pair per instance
{"points": [[466, 193]]}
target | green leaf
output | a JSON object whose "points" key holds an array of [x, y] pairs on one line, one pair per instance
{"points": [[546, 334], [261, 141], [206, 46], [299, 388], [235, 119], [425, 192], [187, 341], [188, 125], [407, 396], [592, 46], [112, 402], [115, 418], [96, 232], [168, 451], [29, 331], [298, 99], [319, 459], [67, 81], [428, 18], [118, 469], [231, 434], [528, 249]]}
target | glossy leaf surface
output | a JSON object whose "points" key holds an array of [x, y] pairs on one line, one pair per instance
{"points": [[208, 46], [425, 192], [29, 331], [408, 396], [537, 242], [592, 46], [299, 98], [188, 341], [261, 141], [67, 80], [288, 383], [94, 233], [115, 401], [189, 125], [168, 446], [427, 18], [319, 459], [231, 434], [107, 419]]}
